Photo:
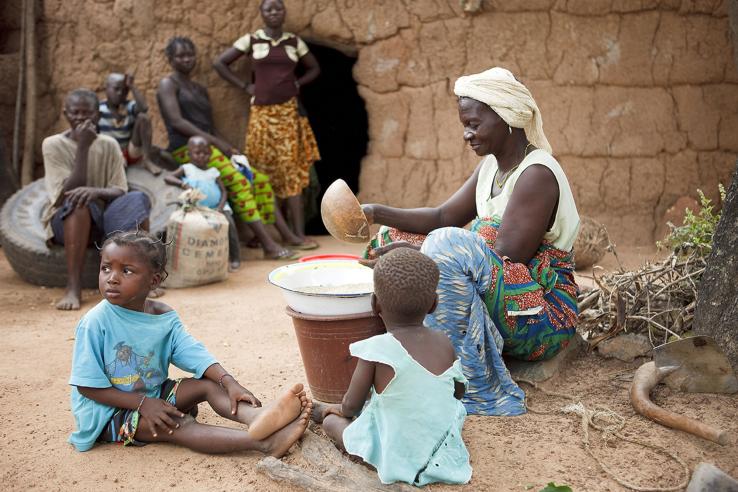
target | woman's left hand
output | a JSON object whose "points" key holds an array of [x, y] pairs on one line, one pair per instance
{"points": [[237, 393], [376, 253]]}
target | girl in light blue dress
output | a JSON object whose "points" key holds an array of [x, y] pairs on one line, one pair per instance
{"points": [[406, 391]]}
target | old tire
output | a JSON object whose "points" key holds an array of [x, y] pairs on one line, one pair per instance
{"points": [[23, 238]]}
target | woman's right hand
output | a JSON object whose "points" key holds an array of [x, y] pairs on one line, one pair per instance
{"points": [[250, 89], [158, 414]]}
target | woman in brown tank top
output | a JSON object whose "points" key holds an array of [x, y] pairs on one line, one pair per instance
{"points": [[279, 140]]}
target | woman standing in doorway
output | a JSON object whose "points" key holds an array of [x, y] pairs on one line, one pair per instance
{"points": [[279, 140]]}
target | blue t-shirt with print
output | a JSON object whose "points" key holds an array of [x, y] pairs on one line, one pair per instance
{"points": [[130, 351]]}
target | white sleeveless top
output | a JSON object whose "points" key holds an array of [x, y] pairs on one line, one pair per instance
{"points": [[565, 228]]}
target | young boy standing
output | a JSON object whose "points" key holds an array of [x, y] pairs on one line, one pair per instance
{"points": [[87, 188], [127, 122]]}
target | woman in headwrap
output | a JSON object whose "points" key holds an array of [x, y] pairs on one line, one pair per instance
{"points": [[507, 285]]}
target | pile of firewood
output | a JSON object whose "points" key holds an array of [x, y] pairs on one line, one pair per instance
{"points": [[658, 300]]}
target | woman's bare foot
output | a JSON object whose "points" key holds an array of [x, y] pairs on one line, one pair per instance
{"points": [[70, 301], [279, 413], [281, 441], [158, 292]]}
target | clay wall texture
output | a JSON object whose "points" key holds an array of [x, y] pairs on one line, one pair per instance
{"points": [[639, 97]]}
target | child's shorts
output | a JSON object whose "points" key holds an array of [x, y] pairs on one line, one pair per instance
{"points": [[123, 424], [132, 154]]}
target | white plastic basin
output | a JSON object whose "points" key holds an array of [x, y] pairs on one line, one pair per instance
{"points": [[291, 279]]}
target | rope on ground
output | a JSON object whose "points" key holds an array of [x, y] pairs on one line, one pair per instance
{"points": [[611, 425]]}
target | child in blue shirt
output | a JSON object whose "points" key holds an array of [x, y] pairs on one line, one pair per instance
{"points": [[196, 174], [122, 351], [405, 392]]}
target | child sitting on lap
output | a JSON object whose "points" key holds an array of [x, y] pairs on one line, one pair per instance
{"points": [[410, 429], [207, 180], [122, 351]]}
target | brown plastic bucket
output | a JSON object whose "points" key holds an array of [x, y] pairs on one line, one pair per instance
{"points": [[324, 346]]}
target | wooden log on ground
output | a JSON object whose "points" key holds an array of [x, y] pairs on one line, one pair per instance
{"points": [[333, 471], [282, 472]]}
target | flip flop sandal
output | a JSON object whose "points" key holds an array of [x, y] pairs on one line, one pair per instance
{"points": [[284, 255], [308, 245]]}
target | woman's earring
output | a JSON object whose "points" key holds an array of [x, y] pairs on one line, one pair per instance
{"points": [[509, 128]]}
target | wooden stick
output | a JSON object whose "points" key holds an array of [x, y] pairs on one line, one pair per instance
{"points": [[282, 472], [30, 133], [15, 156], [645, 379]]}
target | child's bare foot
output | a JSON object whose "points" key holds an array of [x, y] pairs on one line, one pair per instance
{"points": [[318, 412], [279, 413], [70, 301], [281, 441], [151, 167], [322, 410]]}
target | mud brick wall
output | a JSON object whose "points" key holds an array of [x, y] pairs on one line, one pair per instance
{"points": [[639, 97]]}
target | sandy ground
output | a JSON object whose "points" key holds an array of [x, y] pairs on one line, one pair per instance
{"points": [[242, 321]]}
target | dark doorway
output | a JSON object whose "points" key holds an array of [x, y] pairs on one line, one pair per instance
{"points": [[339, 120]]}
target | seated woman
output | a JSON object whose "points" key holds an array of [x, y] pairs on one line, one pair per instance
{"points": [[507, 285], [186, 110]]}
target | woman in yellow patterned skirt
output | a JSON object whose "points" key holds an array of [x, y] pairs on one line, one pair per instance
{"points": [[279, 140]]}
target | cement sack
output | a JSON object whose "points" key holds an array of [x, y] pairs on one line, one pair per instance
{"points": [[197, 250]]}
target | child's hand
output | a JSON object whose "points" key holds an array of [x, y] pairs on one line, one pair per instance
{"points": [[158, 413], [237, 393], [129, 80]]}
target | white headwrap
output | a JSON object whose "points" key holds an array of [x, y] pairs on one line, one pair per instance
{"points": [[510, 99]]}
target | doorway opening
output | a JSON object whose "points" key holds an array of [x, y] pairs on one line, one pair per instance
{"points": [[338, 116]]}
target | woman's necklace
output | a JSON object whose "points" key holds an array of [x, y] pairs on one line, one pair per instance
{"points": [[501, 183]]}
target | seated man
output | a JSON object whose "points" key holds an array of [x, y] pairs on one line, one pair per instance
{"points": [[86, 183], [127, 122]]}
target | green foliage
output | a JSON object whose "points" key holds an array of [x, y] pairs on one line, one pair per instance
{"points": [[695, 235], [552, 487]]}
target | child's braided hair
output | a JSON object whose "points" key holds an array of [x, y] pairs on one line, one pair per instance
{"points": [[177, 41], [150, 247]]}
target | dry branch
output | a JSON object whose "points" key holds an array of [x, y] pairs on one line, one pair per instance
{"points": [[657, 299]]}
